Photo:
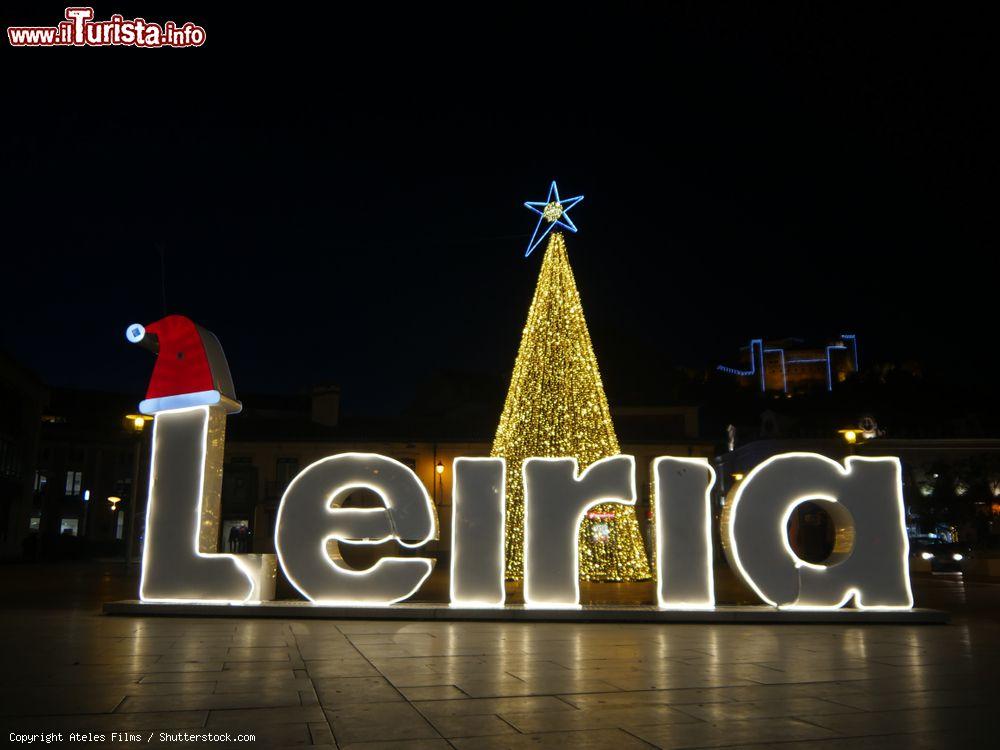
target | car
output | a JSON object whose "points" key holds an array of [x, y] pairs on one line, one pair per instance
{"points": [[942, 556]]}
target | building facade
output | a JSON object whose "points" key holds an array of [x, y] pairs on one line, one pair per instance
{"points": [[93, 450], [258, 472], [22, 399], [90, 476], [271, 443]]}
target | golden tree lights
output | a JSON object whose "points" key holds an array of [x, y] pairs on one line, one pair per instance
{"points": [[556, 407]]}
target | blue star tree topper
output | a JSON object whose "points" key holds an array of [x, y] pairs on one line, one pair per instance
{"points": [[552, 212]]}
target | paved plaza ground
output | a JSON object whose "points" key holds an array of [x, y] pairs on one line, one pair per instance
{"points": [[437, 685]]}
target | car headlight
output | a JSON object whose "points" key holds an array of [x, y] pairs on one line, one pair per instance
{"points": [[958, 556], [927, 555]]}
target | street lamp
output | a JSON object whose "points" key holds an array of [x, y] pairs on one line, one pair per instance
{"points": [[138, 421], [114, 503], [438, 480], [850, 436]]}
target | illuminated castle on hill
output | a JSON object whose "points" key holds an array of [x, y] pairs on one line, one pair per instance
{"points": [[791, 366]]}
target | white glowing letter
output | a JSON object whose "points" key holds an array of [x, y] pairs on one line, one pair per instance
{"points": [[555, 502], [182, 514], [477, 533], [865, 500], [682, 507], [310, 516]]}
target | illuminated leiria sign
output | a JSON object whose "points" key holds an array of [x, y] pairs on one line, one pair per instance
{"points": [[191, 394]]}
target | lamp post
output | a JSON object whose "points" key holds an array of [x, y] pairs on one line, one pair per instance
{"points": [[438, 471], [137, 423], [113, 500]]}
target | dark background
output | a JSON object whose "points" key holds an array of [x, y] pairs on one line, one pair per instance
{"points": [[338, 196]]}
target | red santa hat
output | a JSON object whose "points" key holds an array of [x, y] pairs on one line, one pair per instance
{"points": [[190, 369]]}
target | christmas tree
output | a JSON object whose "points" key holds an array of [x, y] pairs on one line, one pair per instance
{"points": [[556, 407]]}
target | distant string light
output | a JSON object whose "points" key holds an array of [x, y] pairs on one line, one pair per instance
{"points": [[758, 353]]}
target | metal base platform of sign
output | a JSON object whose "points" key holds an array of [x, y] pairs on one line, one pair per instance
{"points": [[297, 610]]}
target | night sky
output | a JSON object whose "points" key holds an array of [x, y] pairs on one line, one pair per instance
{"points": [[347, 208]]}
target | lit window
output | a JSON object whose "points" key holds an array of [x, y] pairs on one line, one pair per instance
{"points": [[73, 481], [69, 526], [40, 481]]}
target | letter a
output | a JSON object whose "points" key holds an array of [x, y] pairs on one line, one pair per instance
{"points": [[865, 501]]}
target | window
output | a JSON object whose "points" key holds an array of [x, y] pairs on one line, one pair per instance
{"points": [[120, 525], [69, 526], [73, 481], [40, 481], [34, 523], [123, 487], [10, 459], [285, 471]]}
